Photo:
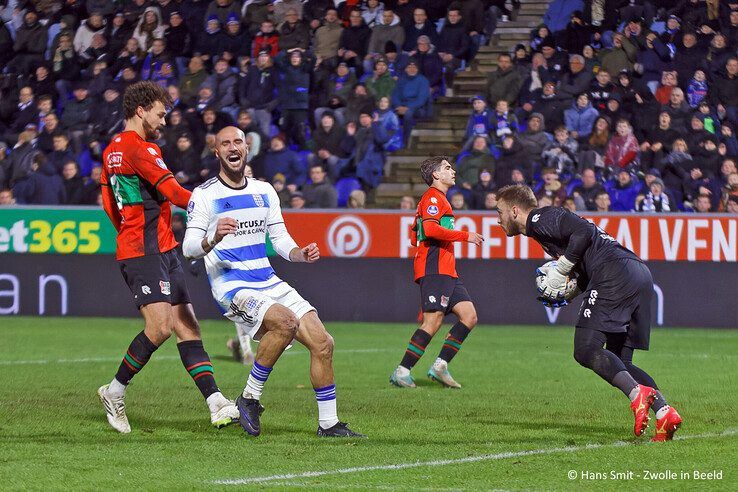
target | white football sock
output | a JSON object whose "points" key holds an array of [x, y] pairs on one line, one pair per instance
{"points": [[634, 393], [116, 388], [327, 408]]}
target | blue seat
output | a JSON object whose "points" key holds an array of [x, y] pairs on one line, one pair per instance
{"points": [[572, 184], [344, 187]]}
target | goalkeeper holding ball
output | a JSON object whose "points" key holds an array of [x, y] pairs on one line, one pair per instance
{"points": [[615, 317]]}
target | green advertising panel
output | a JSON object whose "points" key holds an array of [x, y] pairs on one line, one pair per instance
{"points": [[38, 230]]}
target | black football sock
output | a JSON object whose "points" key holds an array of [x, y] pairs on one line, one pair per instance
{"points": [[197, 363], [138, 354], [454, 339], [415, 349], [642, 377]]}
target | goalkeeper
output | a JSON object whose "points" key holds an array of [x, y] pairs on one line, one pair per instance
{"points": [[615, 317]]}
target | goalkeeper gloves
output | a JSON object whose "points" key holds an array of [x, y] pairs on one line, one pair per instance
{"points": [[554, 286]]}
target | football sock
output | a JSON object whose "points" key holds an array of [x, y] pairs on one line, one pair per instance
{"points": [[115, 388], [454, 339], [659, 402], [327, 412], [625, 383], [255, 384], [138, 354], [662, 411], [642, 377], [197, 362], [416, 348]]}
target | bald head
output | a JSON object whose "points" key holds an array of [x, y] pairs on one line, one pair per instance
{"points": [[231, 150]]}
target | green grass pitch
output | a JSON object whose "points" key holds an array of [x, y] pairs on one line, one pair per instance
{"points": [[526, 418]]}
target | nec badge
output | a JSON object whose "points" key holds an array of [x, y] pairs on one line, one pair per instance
{"points": [[432, 210]]}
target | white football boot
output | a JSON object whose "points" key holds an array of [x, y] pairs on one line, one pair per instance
{"points": [[439, 372], [115, 409]]}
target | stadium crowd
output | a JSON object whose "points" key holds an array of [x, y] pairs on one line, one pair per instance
{"points": [[613, 104]]}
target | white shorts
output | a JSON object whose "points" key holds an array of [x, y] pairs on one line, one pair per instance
{"points": [[248, 307]]}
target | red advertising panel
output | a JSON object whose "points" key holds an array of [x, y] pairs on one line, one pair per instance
{"points": [[674, 237]]}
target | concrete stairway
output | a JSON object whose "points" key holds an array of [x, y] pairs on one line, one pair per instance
{"points": [[443, 135]]}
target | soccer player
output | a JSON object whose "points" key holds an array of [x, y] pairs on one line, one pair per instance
{"points": [[441, 290], [228, 219], [615, 316], [137, 190]]}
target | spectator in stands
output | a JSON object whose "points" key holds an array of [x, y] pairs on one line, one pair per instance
{"points": [[621, 57], [469, 166], [326, 146], [371, 12], [223, 82], [359, 101], [295, 68], [534, 139], [6, 198], [45, 141], [482, 189], [697, 89], [338, 87], [724, 92], [603, 202], [280, 160], [149, 27], [25, 112], [367, 139], [235, 41], [675, 168], [267, 39], [556, 60], [597, 143], [327, 37], [391, 123], [258, 91], [30, 44], [559, 13], [354, 42], [577, 34], [679, 110], [380, 83], [552, 187], [430, 64], [514, 158], [179, 40], [505, 82], [73, 184], [184, 163], [457, 201], [453, 45], [577, 80], [86, 32], [667, 85], [689, 54], [504, 122], [62, 152], [623, 191], [40, 184], [600, 90], [548, 103], [481, 123], [585, 194], [406, 203], [282, 191], [657, 199], [209, 44], [191, 80], [420, 26], [389, 30], [622, 151], [293, 32], [702, 204], [561, 153], [319, 193], [580, 117], [297, 200], [77, 115], [411, 98], [356, 199]]}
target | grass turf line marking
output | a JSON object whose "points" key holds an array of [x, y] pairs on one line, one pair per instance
{"points": [[456, 461], [161, 357]]}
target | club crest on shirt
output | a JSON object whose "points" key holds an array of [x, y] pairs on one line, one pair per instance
{"points": [[258, 200], [432, 210], [160, 163]]}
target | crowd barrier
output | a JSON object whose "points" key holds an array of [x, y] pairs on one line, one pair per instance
{"points": [[59, 262]]}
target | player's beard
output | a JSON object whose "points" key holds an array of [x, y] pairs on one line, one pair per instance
{"points": [[234, 174], [152, 132]]}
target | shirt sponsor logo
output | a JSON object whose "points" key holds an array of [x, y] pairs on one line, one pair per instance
{"points": [[250, 227], [432, 210], [115, 159], [190, 207]]}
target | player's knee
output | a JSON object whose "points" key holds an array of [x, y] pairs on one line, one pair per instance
{"points": [[583, 355], [288, 325], [324, 347], [469, 320]]}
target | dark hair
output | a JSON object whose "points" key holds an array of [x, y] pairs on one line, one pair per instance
{"points": [[431, 165], [504, 55], [144, 94], [519, 195]]}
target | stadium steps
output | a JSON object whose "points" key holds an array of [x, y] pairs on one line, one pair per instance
{"points": [[444, 133]]}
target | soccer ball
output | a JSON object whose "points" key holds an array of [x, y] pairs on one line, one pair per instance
{"points": [[572, 289]]}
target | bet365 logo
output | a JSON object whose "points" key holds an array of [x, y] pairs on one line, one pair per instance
{"points": [[41, 236]]}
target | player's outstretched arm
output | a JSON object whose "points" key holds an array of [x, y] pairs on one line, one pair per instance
{"points": [[434, 230], [174, 192], [308, 254]]}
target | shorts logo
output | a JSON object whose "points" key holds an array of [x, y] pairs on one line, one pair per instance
{"points": [[432, 299], [146, 289], [535, 218], [251, 312], [444, 301], [160, 163], [592, 298], [165, 289], [587, 313], [432, 210], [258, 200]]}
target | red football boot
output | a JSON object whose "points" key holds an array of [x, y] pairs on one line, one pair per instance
{"points": [[640, 406], [667, 425]]}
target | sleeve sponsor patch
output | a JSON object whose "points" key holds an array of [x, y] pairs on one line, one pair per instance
{"points": [[160, 163], [190, 207], [432, 210]]}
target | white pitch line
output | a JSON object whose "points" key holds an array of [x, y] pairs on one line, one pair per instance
{"points": [[155, 358], [455, 461]]}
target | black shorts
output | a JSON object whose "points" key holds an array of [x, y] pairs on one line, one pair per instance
{"points": [[155, 278], [441, 293], [618, 300]]}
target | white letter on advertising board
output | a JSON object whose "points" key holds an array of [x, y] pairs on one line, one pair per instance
{"points": [[643, 253], [405, 224], [722, 243], [14, 293], [692, 242], [623, 236], [43, 280], [465, 224], [489, 241], [671, 246]]}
